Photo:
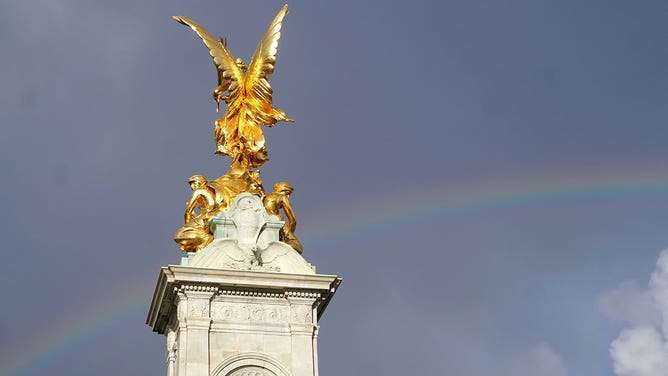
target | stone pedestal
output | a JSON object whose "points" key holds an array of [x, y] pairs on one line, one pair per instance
{"points": [[223, 322], [247, 304]]}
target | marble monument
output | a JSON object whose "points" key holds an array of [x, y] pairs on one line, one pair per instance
{"points": [[243, 301]]}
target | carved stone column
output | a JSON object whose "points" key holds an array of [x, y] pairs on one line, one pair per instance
{"points": [[231, 322]]}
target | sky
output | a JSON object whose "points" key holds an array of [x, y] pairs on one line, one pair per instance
{"points": [[490, 179]]}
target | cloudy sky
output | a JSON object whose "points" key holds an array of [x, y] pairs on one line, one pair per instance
{"points": [[490, 178]]}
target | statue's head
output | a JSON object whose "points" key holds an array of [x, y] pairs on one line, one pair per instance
{"points": [[240, 64], [196, 181], [217, 93], [217, 96], [283, 187], [260, 157]]}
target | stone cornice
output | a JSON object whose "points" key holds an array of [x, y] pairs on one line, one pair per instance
{"points": [[218, 282]]}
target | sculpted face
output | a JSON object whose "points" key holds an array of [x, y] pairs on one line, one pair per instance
{"points": [[283, 187], [196, 181], [240, 64], [260, 157], [217, 94]]}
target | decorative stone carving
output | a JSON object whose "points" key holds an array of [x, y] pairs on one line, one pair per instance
{"points": [[199, 308], [251, 371], [171, 347], [249, 313], [181, 305], [247, 221], [247, 238], [302, 314]]}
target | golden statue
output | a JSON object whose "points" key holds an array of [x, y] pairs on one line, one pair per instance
{"points": [[195, 233], [280, 199], [208, 198], [249, 100], [238, 134]]}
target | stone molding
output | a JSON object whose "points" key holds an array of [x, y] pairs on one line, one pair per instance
{"points": [[201, 287], [250, 362], [198, 288]]}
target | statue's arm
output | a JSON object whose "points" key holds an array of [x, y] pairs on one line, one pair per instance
{"points": [[190, 206], [290, 214], [205, 195]]}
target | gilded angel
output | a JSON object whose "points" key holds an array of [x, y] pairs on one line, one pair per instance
{"points": [[238, 133]]}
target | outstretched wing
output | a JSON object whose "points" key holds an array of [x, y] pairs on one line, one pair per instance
{"points": [[262, 65], [229, 75]]}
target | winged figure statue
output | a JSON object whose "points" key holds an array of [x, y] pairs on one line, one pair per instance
{"points": [[238, 133]]}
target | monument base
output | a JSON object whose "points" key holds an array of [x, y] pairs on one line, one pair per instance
{"points": [[239, 322]]}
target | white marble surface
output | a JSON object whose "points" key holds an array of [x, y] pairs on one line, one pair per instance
{"points": [[227, 254], [232, 323]]}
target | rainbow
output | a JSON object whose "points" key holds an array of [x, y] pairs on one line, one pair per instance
{"points": [[488, 199], [483, 199]]}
